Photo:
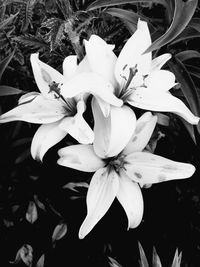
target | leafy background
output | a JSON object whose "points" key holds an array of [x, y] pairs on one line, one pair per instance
{"points": [[43, 205]]}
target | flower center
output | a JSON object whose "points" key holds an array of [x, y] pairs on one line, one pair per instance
{"points": [[116, 163], [70, 103], [127, 90]]}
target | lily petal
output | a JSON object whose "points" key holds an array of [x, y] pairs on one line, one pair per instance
{"points": [[77, 127], [84, 65], [45, 137], [113, 133], [39, 110], [101, 194], [70, 66], [144, 128], [92, 83], [123, 123], [44, 75], [80, 157], [130, 197], [146, 168], [104, 106], [158, 62], [161, 80], [101, 130], [161, 101], [28, 97], [102, 62], [130, 55]]}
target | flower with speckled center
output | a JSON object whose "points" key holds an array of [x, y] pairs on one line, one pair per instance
{"points": [[59, 116], [133, 76], [120, 169]]}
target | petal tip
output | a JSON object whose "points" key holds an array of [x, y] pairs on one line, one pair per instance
{"points": [[81, 235]]}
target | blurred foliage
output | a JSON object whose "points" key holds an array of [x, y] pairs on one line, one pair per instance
{"points": [[41, 206]]}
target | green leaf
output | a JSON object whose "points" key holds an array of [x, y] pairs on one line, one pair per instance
{"points": [[177, 259], [143, 259], [190, 128], [195, 24], [114, 263], [26, 14], [193, 70], [184, 10], [7, 21], [72, 186], [106, 3], [23, 156], [40, 262], [187, 85], [187, 54], [59, 231], [9, 90], [156, 259], [32, 42], [187, 34], [4, 63], [126, 15]]}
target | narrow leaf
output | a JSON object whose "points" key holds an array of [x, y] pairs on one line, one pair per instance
{"points": [[23, 156], [72, 186], [143, 259], [184, 11], [59, 231], [114, 263], [195, 24], [39, 203], [106, 3], [188, 34], [187, 86], [7, 21], [9, 90], [126, 15], [156, 259], [187, 54], [40, 262], [193, 70], [177, 259], [190, 128], [4, 63]]}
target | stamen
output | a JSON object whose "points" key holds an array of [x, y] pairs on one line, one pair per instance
{"points": [[54, 87], [117, 163], [132, 73]]}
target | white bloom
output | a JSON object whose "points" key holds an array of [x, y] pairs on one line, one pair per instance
{"points": [[134, 77], [120, 170], [58, 115]]}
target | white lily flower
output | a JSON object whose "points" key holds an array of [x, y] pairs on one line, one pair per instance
{"points": [[120, 172], [58, 115], [135, 77]]}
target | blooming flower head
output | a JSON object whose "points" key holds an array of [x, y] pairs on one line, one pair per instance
{"points": [[58, 115], [120, 170], [136, 78]]}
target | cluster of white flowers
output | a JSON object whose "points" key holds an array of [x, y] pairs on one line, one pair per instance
{"points": [[115, 149]]}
